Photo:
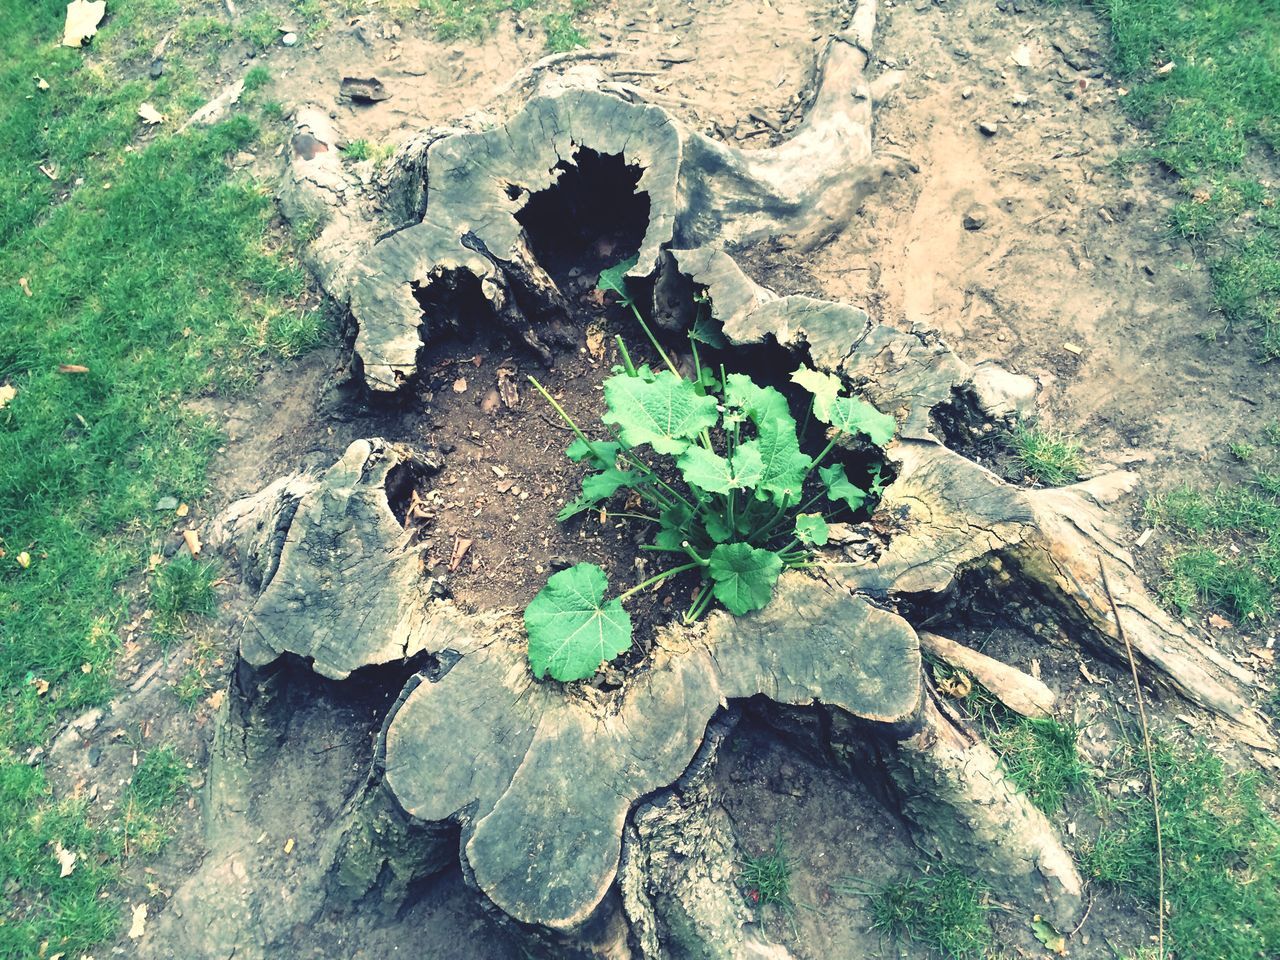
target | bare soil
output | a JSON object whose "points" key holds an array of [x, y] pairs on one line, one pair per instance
{"points": [[1065, 271]]}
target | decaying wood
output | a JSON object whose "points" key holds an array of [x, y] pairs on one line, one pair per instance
{"points": [[1018, 691], [479, 758]]}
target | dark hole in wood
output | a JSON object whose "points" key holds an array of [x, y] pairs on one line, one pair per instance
{"points": [[591, 218]]}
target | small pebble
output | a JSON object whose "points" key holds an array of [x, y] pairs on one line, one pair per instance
{"points": [[989, 128], [289, 39]]}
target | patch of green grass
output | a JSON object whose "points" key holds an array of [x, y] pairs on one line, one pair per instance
{"points": [[159, 276], [1227, 556], [1047, 456], [476, 19], [256, 78], [262, 29], [182, 586], [1221, 853], [1210, 114], [562, 35], [1040, 757], [767, 878], [942, 907], [158, 779], [357, 150]]}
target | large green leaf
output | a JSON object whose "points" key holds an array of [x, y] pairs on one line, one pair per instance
{"points": [[615, 279], [824, 387], [839, 487], [812, 529], [708, 331], [758, 404], [572, 630], [846, 414], [603, 453], [713, 473], [851, 415], [663, 413], [743, 576], [596, 488]]}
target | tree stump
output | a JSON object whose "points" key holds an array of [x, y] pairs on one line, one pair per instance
{"points": [[585, 817]]}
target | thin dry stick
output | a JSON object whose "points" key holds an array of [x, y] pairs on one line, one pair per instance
{"points": [[1151, 767]]}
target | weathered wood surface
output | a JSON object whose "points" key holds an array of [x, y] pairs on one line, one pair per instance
{"points": [[489, 746], [347, 588], [1020, 692]]}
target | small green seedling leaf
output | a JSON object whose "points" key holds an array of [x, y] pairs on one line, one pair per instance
{"points": [[664, 413], [713, 473], [744, 576], [596, 488], [839, 487], [615, 279], [603, 453], [572, 630], [811, 529]]}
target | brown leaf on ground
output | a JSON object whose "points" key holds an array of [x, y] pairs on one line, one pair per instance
{"points": [[72, 368], [192, 540], [460, 547]]}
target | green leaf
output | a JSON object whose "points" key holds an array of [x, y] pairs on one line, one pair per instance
{"points": [[811, 529], [571, 628], [717, 527], [615, 279], [846, 414], [743, 576], [603, 453], [760, 404], [1048, 934], [664, 412], [708, 331], [839, 488], [711, 472], [851, 415], [784, 466], [824, 387], [597, 487], [670, 538]]}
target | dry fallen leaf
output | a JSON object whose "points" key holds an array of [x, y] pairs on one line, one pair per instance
{"points": [[72, 368], [192, 540], [7, 393], [83, 17], [41, 685], [957, 687], [24, 559], [460, 385], [216, 698], [288, 846], [150, 114], [26, 286], [1219, 623], [595, 342], [41, 83], [66, 859], [182, 510], [1167, 68], [139, 925]]}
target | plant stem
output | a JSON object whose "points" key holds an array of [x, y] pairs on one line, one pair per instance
{"points": [[653, 340], [634, 516], [565, 417], [700, 608], [658, 578], [626, 357]]}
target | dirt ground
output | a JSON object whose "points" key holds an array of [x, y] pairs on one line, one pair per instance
{"points": [[1035, 246]]}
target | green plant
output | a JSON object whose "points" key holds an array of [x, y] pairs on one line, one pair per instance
{"points": [[357, 150], [941, 907], [1050, 457], [732, 508], [767, 878]]}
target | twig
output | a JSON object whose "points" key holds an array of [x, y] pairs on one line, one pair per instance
{"points": [[1151, 767], [555, 59]]}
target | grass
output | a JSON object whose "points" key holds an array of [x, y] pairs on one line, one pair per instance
{"points": [[1040, 758], [1222, 853], [767, 878], [1227, 553], [1214, 125], [154, 272], [476, 19], [1046, 456], [940, 907]]}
